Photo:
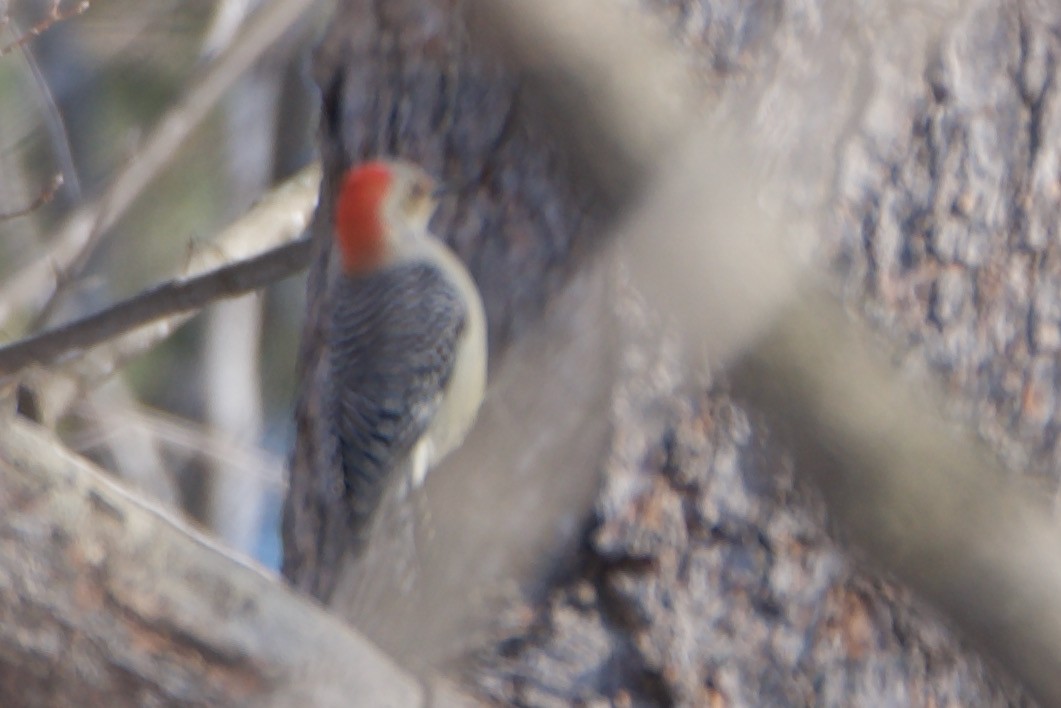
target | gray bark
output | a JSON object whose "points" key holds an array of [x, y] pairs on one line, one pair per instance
{"points": [[108, 602]]}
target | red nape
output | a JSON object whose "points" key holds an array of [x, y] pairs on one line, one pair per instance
{"points": [[358, 219]]}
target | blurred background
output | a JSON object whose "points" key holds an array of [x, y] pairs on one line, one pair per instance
{"points": [[202, 422]]}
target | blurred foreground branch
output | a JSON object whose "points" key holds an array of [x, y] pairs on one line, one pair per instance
{"points": [[113, 603], [711, 250], [927, 500], [618, 92]]}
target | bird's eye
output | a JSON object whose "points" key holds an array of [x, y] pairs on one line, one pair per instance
{"points": [[418, 199], [426, 188]]}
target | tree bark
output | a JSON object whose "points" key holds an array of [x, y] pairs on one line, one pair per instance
{"points": [[106, 602]]}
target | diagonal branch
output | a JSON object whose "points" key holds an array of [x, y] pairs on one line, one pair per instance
{"points": [[172, 298], [277, 219]]}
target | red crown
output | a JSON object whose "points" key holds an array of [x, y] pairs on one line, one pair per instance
{"points": [[359, 229]]}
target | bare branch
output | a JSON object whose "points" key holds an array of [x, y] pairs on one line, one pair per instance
{"points": [[279, 217], [232, 388], [133, 452], [231, 370], [181, 435], [35, 284], [56, 127], [172, 298]]}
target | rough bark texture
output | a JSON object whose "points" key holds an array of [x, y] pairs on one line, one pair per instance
{"points": [[107, 603], [705, 575], [949, 234]]}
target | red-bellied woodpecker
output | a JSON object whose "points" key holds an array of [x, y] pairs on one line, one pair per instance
{"points": [[407, 338]]}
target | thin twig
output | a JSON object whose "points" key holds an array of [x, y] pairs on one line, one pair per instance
{"points": [[46, 194], [172, 298], [235, 456], [56, 15], [134, 453], [56, 127]]}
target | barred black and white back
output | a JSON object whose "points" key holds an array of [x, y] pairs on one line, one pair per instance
{"points": [[405, 372], [394, 339]]}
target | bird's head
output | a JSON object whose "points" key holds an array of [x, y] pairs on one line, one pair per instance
{"points": [[382, 209]]}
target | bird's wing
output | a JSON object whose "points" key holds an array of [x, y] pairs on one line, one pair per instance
{"points": [[393, 341]]}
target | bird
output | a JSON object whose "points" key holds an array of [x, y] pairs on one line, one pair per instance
{"points": [[407, 351]]}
